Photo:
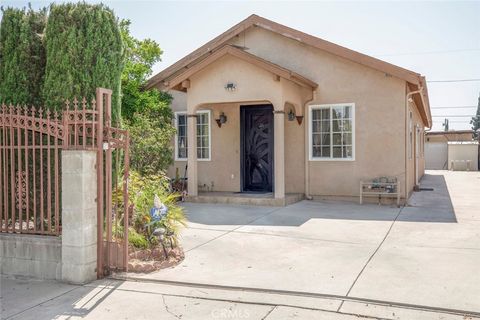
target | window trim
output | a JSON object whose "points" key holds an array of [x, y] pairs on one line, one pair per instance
{"points": [[177, 113], [310, 141], [209, 135]]}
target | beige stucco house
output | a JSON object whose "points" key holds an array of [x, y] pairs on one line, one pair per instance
{"points": [[266, 108]]}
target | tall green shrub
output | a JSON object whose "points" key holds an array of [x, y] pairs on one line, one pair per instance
{"points": [[22, 55], [84, 51]]}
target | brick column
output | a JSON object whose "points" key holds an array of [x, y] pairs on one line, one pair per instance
{"points": [[279, 153], [79, 216]]}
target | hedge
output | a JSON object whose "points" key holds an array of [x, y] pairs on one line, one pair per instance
{"points": [[22, 55], [84, 51]]}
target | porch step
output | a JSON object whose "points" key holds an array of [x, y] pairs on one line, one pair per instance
{"points": [[266, 199]]}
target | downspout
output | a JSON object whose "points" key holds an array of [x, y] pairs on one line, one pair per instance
{"points": [[307, 145], [407, 135]]}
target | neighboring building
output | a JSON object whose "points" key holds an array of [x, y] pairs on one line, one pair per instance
{"points": [[443, 147], [277, 110]]}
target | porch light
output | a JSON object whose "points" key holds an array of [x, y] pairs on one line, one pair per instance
{"points": [[230, 86], [221, 120], [291, 115]]}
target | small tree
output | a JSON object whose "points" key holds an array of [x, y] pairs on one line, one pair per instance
{"points": [[22, 55], [475, 122], [147, 113]]}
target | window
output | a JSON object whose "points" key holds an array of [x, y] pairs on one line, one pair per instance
{"points": [[181, 136], [203, 135], [332, 132]]}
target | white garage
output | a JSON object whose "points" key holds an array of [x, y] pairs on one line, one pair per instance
{"points": [[436, 155]]}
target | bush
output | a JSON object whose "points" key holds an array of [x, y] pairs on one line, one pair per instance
{"points": [[22, 55], [142, 190], [151, 135]]}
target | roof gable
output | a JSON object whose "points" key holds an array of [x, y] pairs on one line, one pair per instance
{"points": [[415, 80], [242, 55]]}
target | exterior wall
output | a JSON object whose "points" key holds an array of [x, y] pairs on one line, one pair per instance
{"points": [[294, 155], [379, 111], [436, 155], [222, 172], [31, 256], [411, 161], [381, 134], [463, 152]]}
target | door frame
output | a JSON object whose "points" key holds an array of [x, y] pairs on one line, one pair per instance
{"points": [[242, 142]]}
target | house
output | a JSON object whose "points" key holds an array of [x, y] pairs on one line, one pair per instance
{"points": [[454, 149], [271, 109]]}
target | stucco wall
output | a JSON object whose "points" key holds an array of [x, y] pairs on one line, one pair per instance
{"points": [[380, 112], [411, 161], [222, 172]]}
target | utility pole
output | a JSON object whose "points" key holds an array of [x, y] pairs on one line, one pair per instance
{"points": [[445, 125]]}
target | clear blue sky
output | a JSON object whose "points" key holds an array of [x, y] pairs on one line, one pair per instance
{"points": [[440, 40]]}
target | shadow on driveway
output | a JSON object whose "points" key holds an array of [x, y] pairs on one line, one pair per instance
{"points": [[424, 206]]}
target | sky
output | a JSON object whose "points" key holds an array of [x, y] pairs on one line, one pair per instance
{"points": [[440, 40]]}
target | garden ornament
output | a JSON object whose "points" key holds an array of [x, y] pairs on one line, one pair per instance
{"points": [[159, 210]]}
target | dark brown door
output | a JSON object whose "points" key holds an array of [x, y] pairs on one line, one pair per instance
{"points": [[257, 148]]}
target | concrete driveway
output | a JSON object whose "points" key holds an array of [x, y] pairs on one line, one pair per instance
{"points": [[427, 254]]}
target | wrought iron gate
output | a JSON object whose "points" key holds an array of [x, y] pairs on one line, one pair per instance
{"points": [[31, 141]]}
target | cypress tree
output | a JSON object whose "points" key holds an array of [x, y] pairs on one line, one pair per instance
{"points": [[84, 51], [22, 55]]}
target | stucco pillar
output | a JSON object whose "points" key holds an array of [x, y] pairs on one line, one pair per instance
{"points": [[192, 173], [79, 216], [279, 153]]}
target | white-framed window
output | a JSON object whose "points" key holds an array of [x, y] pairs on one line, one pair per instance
{"points": [[203, 136], [181, 136], [332, 132]]}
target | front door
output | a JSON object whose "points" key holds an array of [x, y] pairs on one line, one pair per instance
{"points": [[257, 148]]}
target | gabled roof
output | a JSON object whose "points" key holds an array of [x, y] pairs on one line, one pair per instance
{"points": [[250, 58], [413, 78]]}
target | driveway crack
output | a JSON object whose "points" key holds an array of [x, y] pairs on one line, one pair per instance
{"points": [[268, 313], [371, 257], [168, 310]]}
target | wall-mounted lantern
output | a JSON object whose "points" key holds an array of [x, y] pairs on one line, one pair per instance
{"points": [[221, 120], [291, 115], [230, 86]]}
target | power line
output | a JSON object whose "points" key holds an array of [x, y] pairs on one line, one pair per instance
{"points": [[454, 115], [425, 52], [452, 107], [456, 80], [454, 121]]}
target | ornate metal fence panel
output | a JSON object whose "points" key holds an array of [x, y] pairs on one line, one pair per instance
{"points": [[31, 142]]}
